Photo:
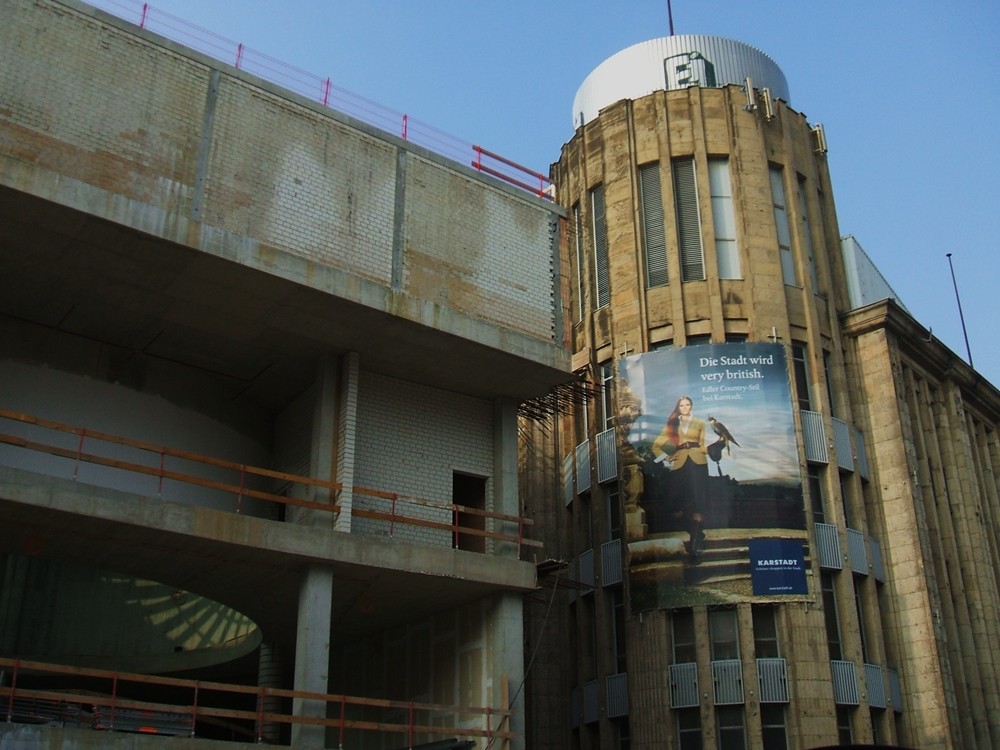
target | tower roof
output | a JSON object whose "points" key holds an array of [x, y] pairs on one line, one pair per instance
{"points": [[674, 62]]}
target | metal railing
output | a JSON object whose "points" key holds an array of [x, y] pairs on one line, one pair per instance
{"points": [[246, 710], [324, 91], [404, 510]]}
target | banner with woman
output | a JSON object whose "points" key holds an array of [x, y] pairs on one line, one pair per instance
{"points": [[710, 476]]}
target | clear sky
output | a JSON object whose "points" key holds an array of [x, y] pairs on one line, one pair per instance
{"points": [[908, 92]]}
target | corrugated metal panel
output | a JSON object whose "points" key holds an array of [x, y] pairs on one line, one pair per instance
{"points": [[674, 62], [727, 676], [616, 686], [568, 483], [583, 467], [878, 568], [688, 220], [602, 277], [815, 439], [574, 708], [894, 690], [772, 677], [862, 453], [586, 561], [845, 683], [684, 685], [842, 443], [828, 544], [654, 236], [607, 456], [856, 550], [611, 563], [875, 685], [591, 702]]}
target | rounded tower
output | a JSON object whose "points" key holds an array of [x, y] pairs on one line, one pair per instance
{"points": [[705, 289]]}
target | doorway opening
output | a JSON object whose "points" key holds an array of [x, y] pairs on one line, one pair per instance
{"points": [[469, 491]]}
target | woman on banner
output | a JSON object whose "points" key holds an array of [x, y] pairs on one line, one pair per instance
{"points": [[681, 446]]}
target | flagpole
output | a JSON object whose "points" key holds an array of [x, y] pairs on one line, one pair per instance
{"points": [[670, 17]]}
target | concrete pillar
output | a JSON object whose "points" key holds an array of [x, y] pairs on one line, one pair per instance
{"points": [[324, 439], [506, 495], [269, 669], [347, 426], [508, 663], [312, 652]]}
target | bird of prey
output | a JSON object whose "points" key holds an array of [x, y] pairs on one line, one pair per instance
{"points": [[720, 429]]}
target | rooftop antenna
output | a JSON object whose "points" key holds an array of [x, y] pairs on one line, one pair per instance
{"points": [[670, 17], [960, 316]]}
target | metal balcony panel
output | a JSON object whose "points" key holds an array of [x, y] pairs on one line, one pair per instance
{"points": [[727, 676], [568, 476], [583, 467], [845, 683], [591, 702], [875, 685], [616, 686], [842, 443], [772, 679], [611, 563], [857, 552], [878, 567], [814, 437], [684, 685], [862, 454], [828, 545], [894, 690], [586, 568], [607, 457]]}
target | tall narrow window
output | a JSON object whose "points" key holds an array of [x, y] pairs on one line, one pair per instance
{"points": [[781, 223], [730, 727], [723, 219], [618, 604], [724, 634], [607, 396], [772, 726], [688, 220], [580, 276], [602, 287], [689, 729], [830, 616], [816, 494], [807, 242], [800, 369], [682, 636], [765, 632], [654, 237], [860, 607]]}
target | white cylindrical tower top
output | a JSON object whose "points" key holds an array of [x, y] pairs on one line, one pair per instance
{"points": [[674, 62]]}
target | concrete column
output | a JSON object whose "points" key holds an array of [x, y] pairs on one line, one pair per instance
{"points": [[508, 663], [312, 653], [347, 425], [324, 438], [506, 495]]}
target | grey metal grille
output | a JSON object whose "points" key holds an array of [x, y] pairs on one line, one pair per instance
{"points": [[829, 546]]}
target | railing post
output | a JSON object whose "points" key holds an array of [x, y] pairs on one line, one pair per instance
{"points": [[260, 714], [392, 516], [239, 55], [13, 690], [159, 489], [239, 497], [79, 452], [343, 718], [489, 726], [411, 725], [454, 524], [326, 93], [114, 700], [194, 706], [406, 126], [479, 158], [145, 10]]}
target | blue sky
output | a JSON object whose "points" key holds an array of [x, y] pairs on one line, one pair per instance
{"points": [[908, 92]]}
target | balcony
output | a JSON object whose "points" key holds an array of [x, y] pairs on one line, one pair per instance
{"points": [[616, 686], [875, 686], [727, 679], [814, 437], [684, 685], [828, 544], [583, 467], [845, 683], [842, 444], [607, 456], [591, 702], [772, 680], [611, 563], [856, 552]]}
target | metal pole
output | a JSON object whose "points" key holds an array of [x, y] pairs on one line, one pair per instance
{"points": [[961, 317], [670, 17]]}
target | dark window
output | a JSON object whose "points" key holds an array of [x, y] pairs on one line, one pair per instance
{"points": [[765, 632], [730, 726], [830, 616], [816, 494], [772, 726], [801, 370], [724, 633], [689, 729], [682, 633]]}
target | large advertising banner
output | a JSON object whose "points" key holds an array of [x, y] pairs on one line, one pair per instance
{"points": [[710, 477]]}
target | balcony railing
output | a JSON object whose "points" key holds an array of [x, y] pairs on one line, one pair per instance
{"points": [[684, 685], [245, 710], [875, 685], [611, 563], [772, 678], [842, 442], [607, 456], [616, 686], [814, 437], [878, 567], [583, 467], [845, 683], [727, 674], [829, 546], [586, 568], [242, 483], [857, 552], [591, 702]]}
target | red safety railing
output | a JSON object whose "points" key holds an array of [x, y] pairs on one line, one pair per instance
{"points": [[323, 90], [107, 700], [92, 448]]}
